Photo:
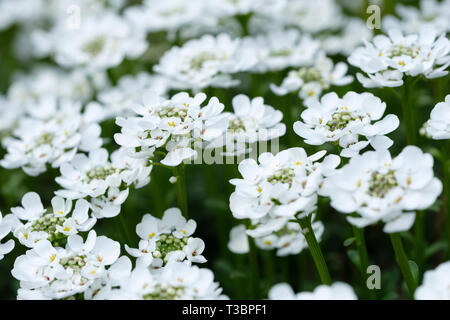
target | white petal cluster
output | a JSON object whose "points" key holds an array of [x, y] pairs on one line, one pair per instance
{"points": [[206, 62], [280, 188], [378, 188], [387, 59], [345, 120], [32, 223], [436, 284], [438, 127], [176, 281], [51, 133], [310, 81], [280, 49], [167, 240], [5, 229], [251, 121], [104, 182], [336, 291], [51, 272], [119, 100], [100, 42], [178, 125], [281, 185], [431, 14]]}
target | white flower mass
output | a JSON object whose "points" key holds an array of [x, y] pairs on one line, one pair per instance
{"points": [[224, 149]]}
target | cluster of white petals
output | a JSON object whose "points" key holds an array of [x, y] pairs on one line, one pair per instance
{"points": [[50, 133], [344, 120], [377, 187], [53, 272], [32, 223], [104, 182], [336, 291], [167, 240], [438, 127], [311, 80], [387, 59], [436, 284], [178, 125]]}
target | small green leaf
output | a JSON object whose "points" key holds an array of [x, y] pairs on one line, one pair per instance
{"points": [[354, 257], [348, 242], [436, 247], [414, 269]]}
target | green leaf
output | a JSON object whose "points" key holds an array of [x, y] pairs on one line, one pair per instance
{"points": [[436, 247], [414, 269], [348, 242], [354, 257]]}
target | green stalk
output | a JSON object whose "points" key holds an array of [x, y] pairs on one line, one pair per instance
{"points": [[181, 189], [446, 185], [314, 248], [363, 256], [419, 240], [408, 110], [254, 269], [402, 261]]}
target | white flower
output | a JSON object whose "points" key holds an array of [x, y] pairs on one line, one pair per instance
{"points": [[177, 281], [178, 125], [238, 242], [353, 34], [431, 14], [438, 127], [337, 291], [166, 240], [170, 15], [345, 120], [386, 59], [101, 42], [287, 239], [280, 186], [119, 100], [51, 133], [75, 85], [311, 81], [55, 273], [310, 16], [5, 229], [54, 226], [205, 62], [377, 187], [281, 49], [97, 178], [251, 121], [436, 284]]}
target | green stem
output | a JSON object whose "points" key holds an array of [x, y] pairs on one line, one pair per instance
{"points": [[445, 158], [409, 111], [254, 269], [181, 189], [402, 261], [363, 256], [419, 240], [314, 248]]}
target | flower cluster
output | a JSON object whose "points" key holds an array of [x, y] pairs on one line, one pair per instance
{"points": [[51, 133], [54, 226], [105, 183], [436, 284], [376, 187], [53, 272], [167, 240], [344, 121], [311, 80], [177, 124], [387, 59], [336, 291], [438, 127]]}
